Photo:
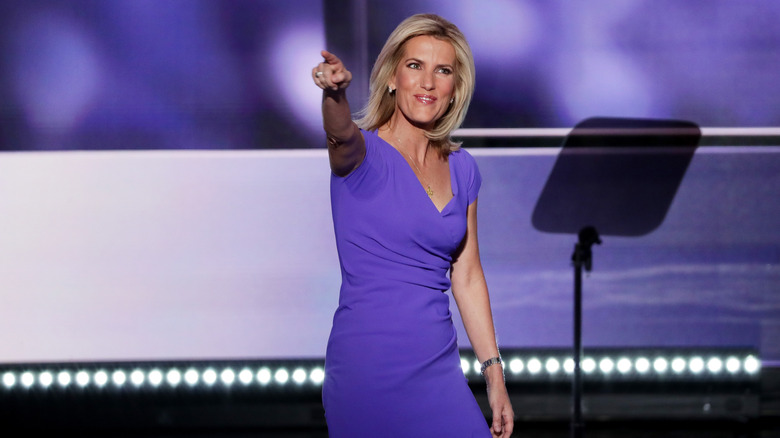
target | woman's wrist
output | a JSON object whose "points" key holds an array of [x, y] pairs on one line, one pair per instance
{"points": [[490, 362], [493, 370], [494, 375]]}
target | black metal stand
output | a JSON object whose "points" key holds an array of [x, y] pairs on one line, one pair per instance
{"points": [[582, 257], [621, 176]]}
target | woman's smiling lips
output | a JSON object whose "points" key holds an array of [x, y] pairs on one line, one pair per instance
{"points": [[425, 98]]}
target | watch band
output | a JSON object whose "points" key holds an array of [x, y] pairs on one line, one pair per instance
{"points": [[489, 362]]}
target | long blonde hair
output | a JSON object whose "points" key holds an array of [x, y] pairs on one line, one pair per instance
{"points": [[381, 103]]}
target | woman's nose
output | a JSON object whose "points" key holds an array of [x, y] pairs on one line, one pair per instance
{"points": [[427, 82]]}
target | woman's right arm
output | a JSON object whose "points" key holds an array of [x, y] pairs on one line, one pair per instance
{"points": [[346, 146]]}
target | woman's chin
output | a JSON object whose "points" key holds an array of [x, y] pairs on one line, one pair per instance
{"points": [[426, 122]]}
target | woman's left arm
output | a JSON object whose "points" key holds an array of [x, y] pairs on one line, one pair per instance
{"points": [[471, 294]]}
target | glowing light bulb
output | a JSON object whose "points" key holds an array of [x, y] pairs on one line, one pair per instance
{"points": [[715, 365], [137, 377], [752, 365], [191, 376], [210, 377], [696, 365], [624, 365], [82, 378], [318, 375], [228, 376], [606, 365], [733, 365], [660, 365], [464, 365], [245, 376], [155, 377], [568, 365], [588, 365], [299, 376], [642, 365], [552, 365], [64, 378], [100, 378], [264, 376], [173, 377], [678, 365], [45, 379], [118, 377], [9, 379], [534, 366], [28, 379], [281, 376]]}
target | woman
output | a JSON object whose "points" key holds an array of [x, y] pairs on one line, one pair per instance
{"points": [[404, 206]]}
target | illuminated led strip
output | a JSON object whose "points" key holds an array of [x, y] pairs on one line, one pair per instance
{"points": [[517, 367], [158, 377], [634, 367]]}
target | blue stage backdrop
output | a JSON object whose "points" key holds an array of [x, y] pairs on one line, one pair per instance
{"points": [[140, 219]]}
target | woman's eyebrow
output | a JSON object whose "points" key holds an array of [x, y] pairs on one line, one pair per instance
{"points": [[419, 61]]}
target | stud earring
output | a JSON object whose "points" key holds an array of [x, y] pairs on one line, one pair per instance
{"points": [[390, 89], [452, 100]]}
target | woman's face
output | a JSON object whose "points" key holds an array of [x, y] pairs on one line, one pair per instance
{"points": [[424, 81]]}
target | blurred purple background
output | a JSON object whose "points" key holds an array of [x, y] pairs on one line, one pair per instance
{"points": [[210, 74], [159, 74], [215, 250]]}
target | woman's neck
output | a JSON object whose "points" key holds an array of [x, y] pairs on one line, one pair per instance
{"points": [[410, 139]]}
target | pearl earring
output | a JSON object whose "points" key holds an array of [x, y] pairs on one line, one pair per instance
{"points": [[390, 89]]}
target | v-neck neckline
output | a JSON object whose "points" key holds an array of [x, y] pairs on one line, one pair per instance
{"points": [[453, 186]]}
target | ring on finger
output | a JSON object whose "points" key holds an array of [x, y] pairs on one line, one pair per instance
{"points": [[318, 74]]}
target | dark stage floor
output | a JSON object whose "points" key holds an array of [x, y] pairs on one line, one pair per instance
{"points": [[543, 411], [654, 429]]}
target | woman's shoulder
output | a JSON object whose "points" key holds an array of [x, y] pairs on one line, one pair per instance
{"points": [[463, 158], [373, 134], [375, 153], [376, 144], [370, 138], [369, 134], [467, 171]]}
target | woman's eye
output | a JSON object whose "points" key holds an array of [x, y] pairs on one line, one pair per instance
{"points": [[414, 65], [445, 70]]}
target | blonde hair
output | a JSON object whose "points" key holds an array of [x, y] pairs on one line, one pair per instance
{"points": [[381, 104]]}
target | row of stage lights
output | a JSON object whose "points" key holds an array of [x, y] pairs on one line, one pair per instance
{"points": [[156, 377], [312, 373], [641, 366]]}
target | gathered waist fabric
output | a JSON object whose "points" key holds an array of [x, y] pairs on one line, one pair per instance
{"points": [[401, 323]]}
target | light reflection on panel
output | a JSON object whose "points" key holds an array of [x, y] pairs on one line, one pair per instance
{"points": [[191, 255], [154, 255], [706, 276]]}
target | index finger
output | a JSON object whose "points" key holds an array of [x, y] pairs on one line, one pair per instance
{"points": [[330, 58]]}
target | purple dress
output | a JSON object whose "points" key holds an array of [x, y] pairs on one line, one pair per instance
{"points": [[392, 366]]}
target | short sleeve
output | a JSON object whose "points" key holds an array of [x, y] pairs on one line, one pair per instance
{"points": [[473, 177], [369, 139]]}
